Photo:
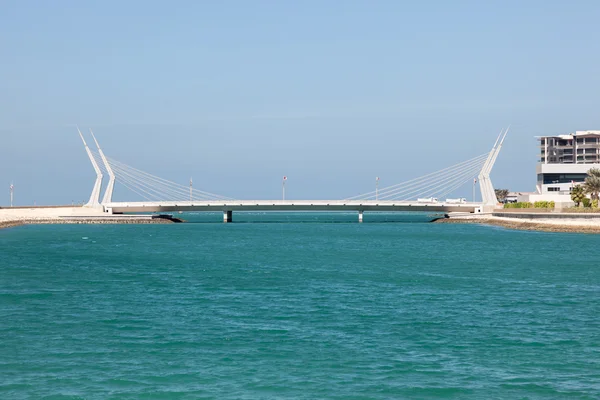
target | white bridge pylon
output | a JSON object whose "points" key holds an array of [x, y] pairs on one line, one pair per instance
{"points": [[488, 194], [95, 196]]}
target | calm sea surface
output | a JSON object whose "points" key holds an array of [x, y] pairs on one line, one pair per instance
{"points": [[298, 307]]}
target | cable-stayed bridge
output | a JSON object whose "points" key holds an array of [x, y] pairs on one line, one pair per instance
{"points": [[428, 192]]}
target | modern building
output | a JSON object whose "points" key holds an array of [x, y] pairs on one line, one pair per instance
{"points": [[564, 162]]}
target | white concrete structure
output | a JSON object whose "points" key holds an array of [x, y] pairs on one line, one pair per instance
{"points": [[94, 201], [111, 181], [228, 207], [166, 196], [488, 194]]}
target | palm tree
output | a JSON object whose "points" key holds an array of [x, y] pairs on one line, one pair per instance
{"points": [[594, 172], [501, 194], [592, 185], [577, 195]]}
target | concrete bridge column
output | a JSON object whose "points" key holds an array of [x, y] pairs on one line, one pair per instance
{"points": [[227, 216], [360, 216]]}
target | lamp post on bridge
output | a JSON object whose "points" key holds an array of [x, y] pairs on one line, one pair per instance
{"points": [[191, 189], [12, 192], [283, 188], [474, 182], [376, 188]]}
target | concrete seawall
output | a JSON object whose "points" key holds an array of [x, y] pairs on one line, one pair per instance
{"points": [[546, 222], [547, 215]]}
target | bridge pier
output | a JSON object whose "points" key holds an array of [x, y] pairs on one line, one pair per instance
{"points": [[227, 216], [360, 216]]}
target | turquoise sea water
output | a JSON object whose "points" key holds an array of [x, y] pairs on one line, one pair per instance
{"points": [[303, 308]]}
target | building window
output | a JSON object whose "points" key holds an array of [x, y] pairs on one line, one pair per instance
{"points": [[562, 178], [554, 189]]}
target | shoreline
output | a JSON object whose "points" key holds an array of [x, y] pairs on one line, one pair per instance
{"points": [[10, 224], [13, 217], [541, 225], [81, 221], [538, 221]]}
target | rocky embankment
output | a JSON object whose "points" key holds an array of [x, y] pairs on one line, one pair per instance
{"points": [[10, 217], [62, 221], [9, 224], [569, 225]]}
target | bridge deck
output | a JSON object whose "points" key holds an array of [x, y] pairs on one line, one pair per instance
{"points": [[289, 205]]}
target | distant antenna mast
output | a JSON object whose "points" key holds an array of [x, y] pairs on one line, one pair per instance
{"points": [[12, 192]]}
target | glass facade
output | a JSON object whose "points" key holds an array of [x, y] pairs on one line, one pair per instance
{"points": [[562, 178]]}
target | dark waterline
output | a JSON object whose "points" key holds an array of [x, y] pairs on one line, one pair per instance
{"points": [[309, 217]]}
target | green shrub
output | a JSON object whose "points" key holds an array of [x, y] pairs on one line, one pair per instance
{"points": [[586, 202], [521, 204], [595, 203], [543, 204]]}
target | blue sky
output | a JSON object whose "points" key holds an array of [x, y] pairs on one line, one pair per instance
{"points": [[330, 93]]}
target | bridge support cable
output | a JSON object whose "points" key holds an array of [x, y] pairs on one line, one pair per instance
{"points": [[459, 184], [155, 191], [446, 171], [151, 191], [432, 186], [151, 187], [169, 191], [441, 185], [165, 184], [425, 183], [453, 184], [134, 186], [394, 191]]}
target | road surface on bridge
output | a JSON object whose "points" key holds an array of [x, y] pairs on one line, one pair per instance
{"points": [[289, 205]]}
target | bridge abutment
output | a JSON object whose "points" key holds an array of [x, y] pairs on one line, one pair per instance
{"points": [[227, 216]]}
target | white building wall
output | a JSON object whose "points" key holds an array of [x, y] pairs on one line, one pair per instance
{"points": [[565, 187]]}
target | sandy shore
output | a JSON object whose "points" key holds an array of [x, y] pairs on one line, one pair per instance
{"points": [[10, 217], [571, 225]]}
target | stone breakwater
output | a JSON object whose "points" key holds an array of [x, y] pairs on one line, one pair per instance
{"points": [[539, 224], [16, 216], [9, 224], [13, 223]]}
